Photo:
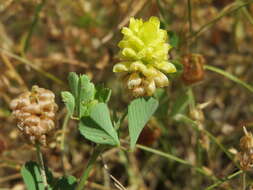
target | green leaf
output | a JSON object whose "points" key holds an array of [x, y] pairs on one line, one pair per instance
{"points": [[66, 183], [69, 101], [32, 177], [73, 83], [139, 112], [86, 94], [98, 126], [93, 132], [103, 94]]}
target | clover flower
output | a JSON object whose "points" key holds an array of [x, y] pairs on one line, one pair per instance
{"points": [[35, 112], [144, 56]]}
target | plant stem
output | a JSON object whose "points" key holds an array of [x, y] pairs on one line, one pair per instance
{"points": [[189, 6], [97, 151], [176, 159], [224, 180], [244, 181], [64, 126], [42, 166], [33, 25], [229, 76]]}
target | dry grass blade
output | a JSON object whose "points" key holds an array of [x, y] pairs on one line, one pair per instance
{"points": [[235, 6], [36, 68], [136, 8]]}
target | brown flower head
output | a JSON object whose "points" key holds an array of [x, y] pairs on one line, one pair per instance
{"points": [[193, 68], [35, 112], [246, 154]]}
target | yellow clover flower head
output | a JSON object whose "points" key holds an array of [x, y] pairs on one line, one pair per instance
{"points": [[144, 52]]}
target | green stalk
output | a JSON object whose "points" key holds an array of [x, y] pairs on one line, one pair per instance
{"points": [[64, 127], [176, 159], [229, 76], [97, 151], [42, 166], [223, 180], [244, 186]]}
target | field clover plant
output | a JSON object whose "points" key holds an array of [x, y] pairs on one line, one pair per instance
{"points": [[145, 66]]}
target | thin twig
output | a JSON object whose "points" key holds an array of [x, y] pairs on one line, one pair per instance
{"points": [[116, 182], [33, 25]]}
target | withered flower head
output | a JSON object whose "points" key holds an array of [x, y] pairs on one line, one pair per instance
{"points": [[35, 112], [246, 154], [246, 142], [193, 68], [139, 85]]}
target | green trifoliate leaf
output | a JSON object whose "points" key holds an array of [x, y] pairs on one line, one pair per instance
{"points": [[98, 127], [73, 83], [86, 94], [69, 101]]}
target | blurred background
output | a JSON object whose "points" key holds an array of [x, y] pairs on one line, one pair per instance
{"points": [[42, 41]]}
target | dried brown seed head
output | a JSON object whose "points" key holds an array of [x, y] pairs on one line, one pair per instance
{"points": [[35, 113], [193, 68], [246, 154], [246, 142]]}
